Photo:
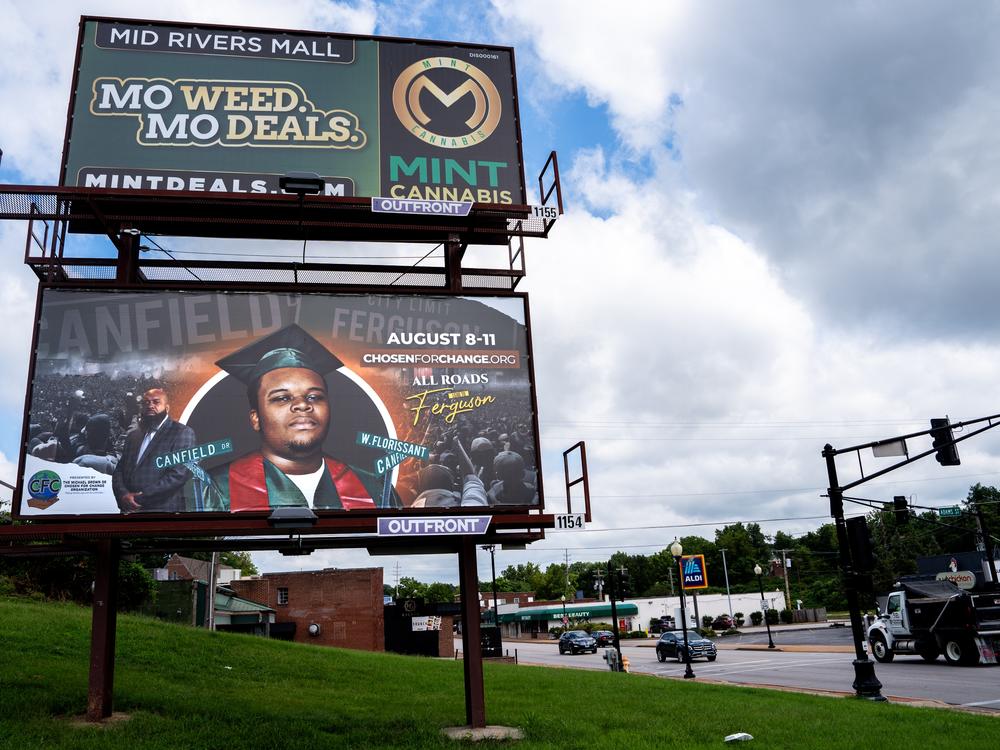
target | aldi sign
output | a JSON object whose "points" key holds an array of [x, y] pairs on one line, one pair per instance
{"points": [[693, 572]]}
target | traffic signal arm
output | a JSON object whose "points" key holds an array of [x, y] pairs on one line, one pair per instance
{"points": [[993, 421]]}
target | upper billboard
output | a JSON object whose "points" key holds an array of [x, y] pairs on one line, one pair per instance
{"points": [[183, 402], [174, 107]]}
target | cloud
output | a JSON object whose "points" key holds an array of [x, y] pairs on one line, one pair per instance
{"points": [[856, 148], [39, 42]]}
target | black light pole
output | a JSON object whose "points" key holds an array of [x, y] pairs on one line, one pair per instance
{"points": [[866, 684], [678, 552], [763, 604], [491, 548]]}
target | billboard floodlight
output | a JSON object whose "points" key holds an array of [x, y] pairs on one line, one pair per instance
{"points": [[301, 183], [293, 517]]}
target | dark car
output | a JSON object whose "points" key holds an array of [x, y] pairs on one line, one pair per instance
{"points": [[723, 622], [603, 637], [671, 645], [576, 641]]}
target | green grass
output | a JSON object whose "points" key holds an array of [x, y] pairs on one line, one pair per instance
{"points": [[187, 688]]}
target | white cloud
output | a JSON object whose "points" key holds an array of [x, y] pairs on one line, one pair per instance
{"points": [[39, 41]]}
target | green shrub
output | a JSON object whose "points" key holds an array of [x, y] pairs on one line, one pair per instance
{"points": [[707, 620], [756, 618], [786, 616], [772, 617]]}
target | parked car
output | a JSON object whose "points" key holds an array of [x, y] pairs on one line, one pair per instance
{"points": [[576, 641], [672, 645], [603, 637], [723, 622]]}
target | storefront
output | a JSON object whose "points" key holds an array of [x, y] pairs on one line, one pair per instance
{"points": [[535, 622]]}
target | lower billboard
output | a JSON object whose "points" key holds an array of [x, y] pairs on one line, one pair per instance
{"points": [[174, 402]]}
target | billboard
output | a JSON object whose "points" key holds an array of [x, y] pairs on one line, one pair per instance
{"points": [[179, 402], [178, 107]]}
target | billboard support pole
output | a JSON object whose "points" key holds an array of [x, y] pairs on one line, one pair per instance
{"points": [[104, 623], [127, 271], [454, 249], [472, 652]]}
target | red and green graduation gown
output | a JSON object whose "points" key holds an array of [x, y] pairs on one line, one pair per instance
{"points": [[254, 483]]}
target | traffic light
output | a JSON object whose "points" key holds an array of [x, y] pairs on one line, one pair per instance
{"points": [[859, 542], [947, 455], [900, 509], [625, 587]]}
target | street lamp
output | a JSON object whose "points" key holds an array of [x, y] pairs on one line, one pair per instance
{"points": [[565, 618], [678, 551], [763, 605]]}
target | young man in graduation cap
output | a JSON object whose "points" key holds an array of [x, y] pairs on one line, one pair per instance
{"points": [[290, 410]]}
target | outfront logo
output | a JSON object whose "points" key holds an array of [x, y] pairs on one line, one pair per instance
{"points": [[44, 487], [433, 99]]}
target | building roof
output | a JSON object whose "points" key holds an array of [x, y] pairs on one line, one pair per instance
{"points": [[229, 602], [197, 569]]}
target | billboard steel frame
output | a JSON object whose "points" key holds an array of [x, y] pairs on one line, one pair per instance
{"points": [[123, 216]]}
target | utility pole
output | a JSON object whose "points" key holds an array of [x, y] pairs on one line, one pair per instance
{"points": [[784, 570], [984, 532], [671, 571], [566, 567], [213, 576], [599, 582], [397, 580], [491, 548], [725, 571]]}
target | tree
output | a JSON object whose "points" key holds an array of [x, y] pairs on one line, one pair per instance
{"points": [[411, 588], [553, 583], [440, 592], [745, 547], [524, 577], [240, 560]]}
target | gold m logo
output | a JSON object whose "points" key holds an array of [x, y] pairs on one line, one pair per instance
{"points": [[411, 85], [423, 83]]}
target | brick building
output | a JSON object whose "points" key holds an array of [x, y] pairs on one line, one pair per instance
{"points": [[180, 568], [346, 606]]}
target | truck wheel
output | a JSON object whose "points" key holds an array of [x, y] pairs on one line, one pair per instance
{"points": [[928, 651], [880, 649], [961, 652]]}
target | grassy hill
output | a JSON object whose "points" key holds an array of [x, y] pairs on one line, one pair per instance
{"points": [[187, 688]]}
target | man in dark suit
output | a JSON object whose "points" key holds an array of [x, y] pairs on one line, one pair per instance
{"points": [[140, 486]]}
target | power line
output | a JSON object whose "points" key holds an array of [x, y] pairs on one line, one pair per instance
{"points": [[171, 256], [791, 489], [631, 424], [693, 525]]}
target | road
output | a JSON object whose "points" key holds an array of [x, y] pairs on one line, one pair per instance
{"points": [[906, 677]]}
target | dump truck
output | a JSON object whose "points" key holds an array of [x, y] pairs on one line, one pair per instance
{"points": [[934, 618]]}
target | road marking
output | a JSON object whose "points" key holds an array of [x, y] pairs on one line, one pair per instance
{"points": [[738, 669], [980, 703]]}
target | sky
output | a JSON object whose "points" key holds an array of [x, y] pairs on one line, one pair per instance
{"points": [[778, 232]]}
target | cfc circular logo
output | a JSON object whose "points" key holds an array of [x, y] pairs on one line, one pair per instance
{"points": [[44, 485], [433, 99]]}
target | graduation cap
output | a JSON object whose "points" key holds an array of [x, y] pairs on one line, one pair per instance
{"points": [[292, 346]]}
